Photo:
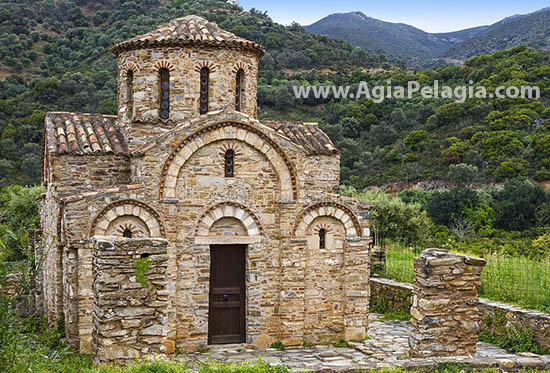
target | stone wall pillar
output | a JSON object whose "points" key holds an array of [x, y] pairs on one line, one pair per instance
{"points": [[445, 318], [292, 292], [356, 288], [129, 319]]}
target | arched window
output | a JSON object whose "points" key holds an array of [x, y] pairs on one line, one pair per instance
{"points": [[130, 92], [127, 233], [164, 93], [229, 162], [322, 238], [205, 77], [239, 89]]}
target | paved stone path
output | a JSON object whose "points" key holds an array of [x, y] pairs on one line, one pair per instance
{"points": [[387, 346]]}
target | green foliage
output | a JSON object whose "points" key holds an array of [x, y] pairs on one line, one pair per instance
{"points": [[462, 173], [396, 315], [161, 366], [18, 214], [258, 366], [278, 345], [396, 220], [446, 207], [542, 245], [517, 204], [341, 343], [416, 139], [141, 266], [513, 338]]}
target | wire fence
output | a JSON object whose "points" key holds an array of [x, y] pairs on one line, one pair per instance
{"points": [[518, 280]]}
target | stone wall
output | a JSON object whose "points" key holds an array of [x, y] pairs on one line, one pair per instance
{"points": [[129, 319], [79, 173], [444, 314], [398, 296], [496, 315], [390, 295]]}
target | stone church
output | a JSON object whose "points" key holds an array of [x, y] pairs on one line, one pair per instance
{"points": [[235, 222]]}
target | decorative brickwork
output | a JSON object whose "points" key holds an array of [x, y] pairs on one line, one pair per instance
{"points": [[129, 320], [229, 131], [336, 210], [445, 317], [131, 212]]}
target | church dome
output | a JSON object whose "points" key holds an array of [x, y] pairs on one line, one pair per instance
{"points": [[188, 31]]}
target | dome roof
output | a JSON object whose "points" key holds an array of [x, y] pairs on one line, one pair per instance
{"points": [[188, 31]]}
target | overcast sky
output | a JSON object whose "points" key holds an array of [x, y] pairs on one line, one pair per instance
{"points": [[431, 16]]}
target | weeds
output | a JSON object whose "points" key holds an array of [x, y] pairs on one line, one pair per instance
{"points": [[278, 345], [341, 343]]}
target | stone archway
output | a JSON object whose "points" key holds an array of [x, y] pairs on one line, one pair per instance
{"points": [[332, 209], [228, 210], [246, 133], [128, 215]]}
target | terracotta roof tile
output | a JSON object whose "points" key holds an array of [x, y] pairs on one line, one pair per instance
{"points": [[189, 30], [307, 135], [83, 134]]}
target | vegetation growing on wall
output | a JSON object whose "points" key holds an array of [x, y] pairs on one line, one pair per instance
{"points": [[513, 337], [141, 266]]}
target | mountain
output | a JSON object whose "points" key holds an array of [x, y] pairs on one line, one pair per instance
{"points": [[532, 30], [461, 35], [397, 40], [401, 41]]}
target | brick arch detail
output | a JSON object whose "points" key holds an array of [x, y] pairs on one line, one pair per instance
{"points": [[229, 131], [228, 209], [134, 67], [333, 209], [164, 64], [240, 66], [128, 207], [208, 64]]}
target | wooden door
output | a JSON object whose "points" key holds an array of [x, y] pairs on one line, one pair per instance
{"points": [[227, 300]]}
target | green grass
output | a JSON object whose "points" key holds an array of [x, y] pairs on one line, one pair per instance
{"points": [[517, 280], [400, 316]]}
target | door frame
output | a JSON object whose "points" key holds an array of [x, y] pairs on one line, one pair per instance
{"points": [[243, 303]]}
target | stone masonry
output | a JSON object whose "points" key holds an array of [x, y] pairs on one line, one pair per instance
{"points": [[444, 313], [158, 170], [129, 319]]}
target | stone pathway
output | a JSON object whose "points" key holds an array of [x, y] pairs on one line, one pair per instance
{"points": [[387, 346]]}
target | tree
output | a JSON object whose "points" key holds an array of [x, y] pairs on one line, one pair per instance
{"points": [[449, 113], [396, 220], [517, 204], [462, 173], [444, 208], [416, 139]]}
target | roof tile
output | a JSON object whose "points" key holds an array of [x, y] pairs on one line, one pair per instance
{"points": [[80, 133], [189, 30], [308, 136]]}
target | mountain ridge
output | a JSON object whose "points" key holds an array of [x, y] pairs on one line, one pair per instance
{"points": [[416, 46]]}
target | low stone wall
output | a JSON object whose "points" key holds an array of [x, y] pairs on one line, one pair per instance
{"points": [[385, 293], [398, 296], [494, 313], [129, 317]]}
